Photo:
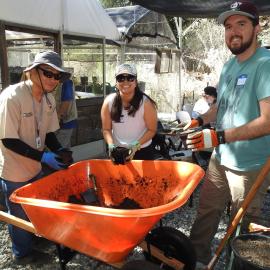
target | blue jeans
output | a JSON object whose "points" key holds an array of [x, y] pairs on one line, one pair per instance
{"points": [[21, 239]]}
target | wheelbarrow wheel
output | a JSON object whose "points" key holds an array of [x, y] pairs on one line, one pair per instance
{"points": [[174, 244], [140, 265]]}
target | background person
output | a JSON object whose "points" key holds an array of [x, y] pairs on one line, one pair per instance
{"points": [[28, 120], [202, 105], [242, 129], [129, 117], [67, 112]]}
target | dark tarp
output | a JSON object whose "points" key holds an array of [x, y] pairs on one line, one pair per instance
{"points": [[137, 21], [126, 17], [196, 8]]}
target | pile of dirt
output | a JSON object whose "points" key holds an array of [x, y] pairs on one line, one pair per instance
{"points": [[255, 251], [127, 204]]}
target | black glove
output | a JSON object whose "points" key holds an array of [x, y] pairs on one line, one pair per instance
{"points": [[65, 156], [119, 155]]}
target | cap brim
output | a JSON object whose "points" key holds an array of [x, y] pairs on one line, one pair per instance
{"points": [[48, 64], [31, 67], [225, 15], [125, 72]]}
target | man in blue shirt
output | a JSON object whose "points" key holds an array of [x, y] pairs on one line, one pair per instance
{"points": [[67, 112], [241, 138]]}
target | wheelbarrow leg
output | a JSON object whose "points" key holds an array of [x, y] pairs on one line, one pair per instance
{"points": [[65, 255]]}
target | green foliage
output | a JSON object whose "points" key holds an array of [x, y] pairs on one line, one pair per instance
{"points": [[115, 3]]}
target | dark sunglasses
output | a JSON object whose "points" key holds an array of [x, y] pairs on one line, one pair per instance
{"points": [[49, 74], [122, 78]]}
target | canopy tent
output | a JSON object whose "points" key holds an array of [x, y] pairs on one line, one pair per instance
{"points": [[137, 21], [196, 8], [37, 19], [80, 17]]}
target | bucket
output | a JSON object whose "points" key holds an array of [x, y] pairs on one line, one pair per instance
{"points": [[251, 252]]}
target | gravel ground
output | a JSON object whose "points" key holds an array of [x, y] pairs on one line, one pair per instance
{"points": [[181, 219]]}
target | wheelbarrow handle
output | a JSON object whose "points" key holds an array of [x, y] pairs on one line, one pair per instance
{"points": [[240, 213], [21, 223]]}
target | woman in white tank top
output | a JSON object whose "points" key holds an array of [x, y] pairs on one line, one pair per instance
{"points": [[129, 117]]}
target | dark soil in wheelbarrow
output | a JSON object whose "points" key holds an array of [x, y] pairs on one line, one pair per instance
{"points": [[143, 192], [127, 204], [254, 251]]}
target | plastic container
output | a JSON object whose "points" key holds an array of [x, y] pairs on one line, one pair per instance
{"points": [[249, 243], [105, 233]]}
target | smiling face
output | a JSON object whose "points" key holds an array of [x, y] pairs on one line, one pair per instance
{"points": [[240, 34], [126, 85], [45, 77]]}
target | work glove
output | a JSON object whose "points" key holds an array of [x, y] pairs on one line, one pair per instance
{"points": [[65, 156], [193, 123], [118, 154], [53, 161], [133, 147], [111, 147], [205, 138]]}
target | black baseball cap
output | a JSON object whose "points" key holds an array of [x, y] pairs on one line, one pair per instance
{"points": [[210, 91], [243, 8]]}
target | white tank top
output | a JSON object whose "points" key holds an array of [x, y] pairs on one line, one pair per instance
{"points": [[130, 128]]}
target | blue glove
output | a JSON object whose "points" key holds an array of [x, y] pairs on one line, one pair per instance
{"points": [[52, 160]]}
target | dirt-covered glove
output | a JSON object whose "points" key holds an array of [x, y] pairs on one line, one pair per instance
{"points": [[118, 154], [111, 146], [193, 123], [133, 147], [65, 156], [205, 138]]}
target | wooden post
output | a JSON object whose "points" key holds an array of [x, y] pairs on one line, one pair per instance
{"points": [[3, 57]]}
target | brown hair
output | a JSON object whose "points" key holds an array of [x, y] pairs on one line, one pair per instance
{"points": [[135, 103]]}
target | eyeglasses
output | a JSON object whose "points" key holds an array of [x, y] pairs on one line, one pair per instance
{"points": [[49, 74], [122, 78]]}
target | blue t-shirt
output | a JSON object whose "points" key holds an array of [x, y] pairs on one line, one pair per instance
{"points": [[67, 94], [241, 87]]}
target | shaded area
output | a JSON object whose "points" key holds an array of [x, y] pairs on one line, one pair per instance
{"points": [[196, 8]]}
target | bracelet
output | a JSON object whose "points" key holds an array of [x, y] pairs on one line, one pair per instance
{"points": [[221, 137]]}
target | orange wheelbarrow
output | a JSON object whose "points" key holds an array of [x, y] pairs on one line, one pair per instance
{"points": [[104, 232]]}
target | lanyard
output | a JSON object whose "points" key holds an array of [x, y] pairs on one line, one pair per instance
{"points": [[37, 115]]}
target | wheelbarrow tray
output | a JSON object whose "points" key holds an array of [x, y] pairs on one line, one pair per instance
{"points": [[103, 232]]}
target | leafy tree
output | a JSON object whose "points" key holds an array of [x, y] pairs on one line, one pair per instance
{"points": [[115, 3]]}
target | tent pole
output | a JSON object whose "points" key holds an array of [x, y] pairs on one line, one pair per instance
{"points": [[104, 66], [62, 28], [178, 23], [3, 58]]}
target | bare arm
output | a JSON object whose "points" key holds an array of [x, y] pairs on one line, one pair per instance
{"points": [[255, 128], [106, 122], [150, 118], [210, 115]]}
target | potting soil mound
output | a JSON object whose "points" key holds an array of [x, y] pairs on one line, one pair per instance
{"points": [[127, 204], [255, 251]]}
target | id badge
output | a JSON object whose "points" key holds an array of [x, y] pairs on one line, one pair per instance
{"points": [[38, 142]]}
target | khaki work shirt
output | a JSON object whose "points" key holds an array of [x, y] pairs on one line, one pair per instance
{"points": [[20, 118]]}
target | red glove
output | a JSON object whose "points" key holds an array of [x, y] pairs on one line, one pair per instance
{"points": [[192, 124], [205, 138]]}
